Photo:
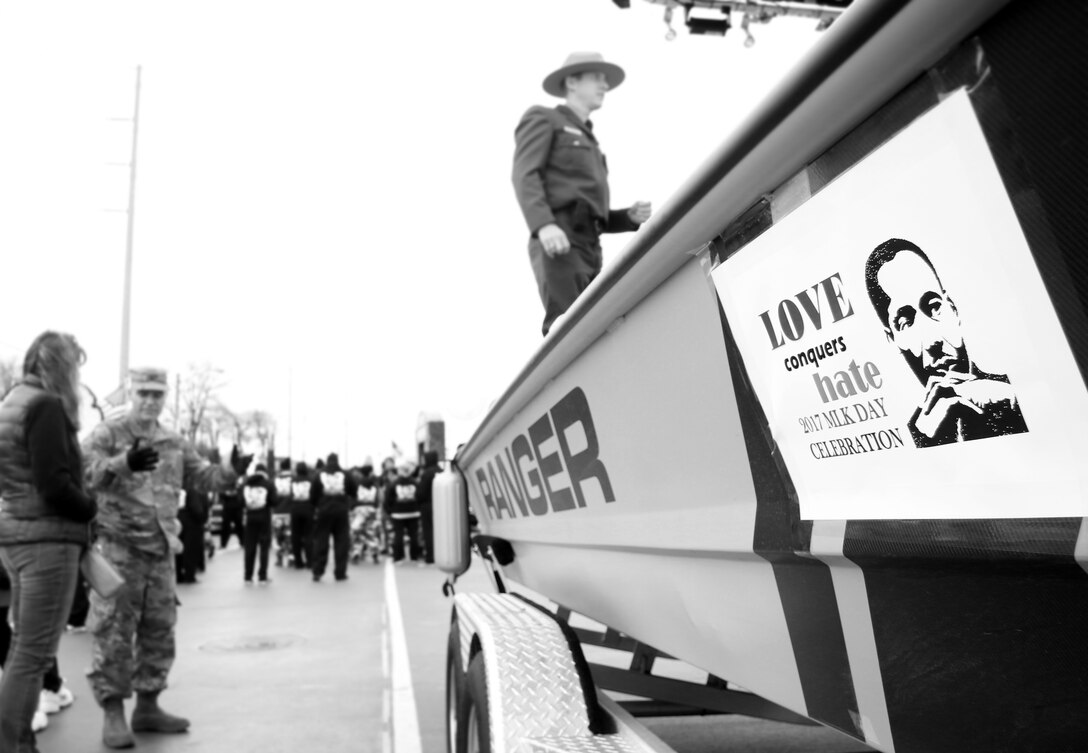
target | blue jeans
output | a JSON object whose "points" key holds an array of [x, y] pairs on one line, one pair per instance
{"points": [[43, 582]]}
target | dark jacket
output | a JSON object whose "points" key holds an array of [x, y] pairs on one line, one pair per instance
{"points": [[400, 499], [368, 490], [41, 471], [253, 483], [426, 479], [333, 488], [558, 164], [283, 493], [302, 496]]}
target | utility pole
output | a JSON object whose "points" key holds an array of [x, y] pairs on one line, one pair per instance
{"points": [[127, 305]]}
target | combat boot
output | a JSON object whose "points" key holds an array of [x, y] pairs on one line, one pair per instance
{"points": [[115, 732], [148, 717]]}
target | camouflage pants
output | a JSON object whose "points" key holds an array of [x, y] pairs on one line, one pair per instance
{"points": [[133, 646]]}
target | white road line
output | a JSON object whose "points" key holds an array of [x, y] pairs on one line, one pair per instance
{"points": [[405, 718]]}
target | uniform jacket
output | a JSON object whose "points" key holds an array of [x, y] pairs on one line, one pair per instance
{"points": [[367, 492], [283, 493], [302, 498], [558, 164], [333, 489], [259, 481], [34, 509], [140, 510], [400, 498]]}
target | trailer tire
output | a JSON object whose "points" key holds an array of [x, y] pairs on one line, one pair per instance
{"points": [[455, 685], [474, 715]]}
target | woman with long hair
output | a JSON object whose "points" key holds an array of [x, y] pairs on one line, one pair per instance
{"points": [[44, 517]]}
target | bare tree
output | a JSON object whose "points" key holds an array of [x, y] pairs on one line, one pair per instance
{"points": [[260, 426], [196, 399]]}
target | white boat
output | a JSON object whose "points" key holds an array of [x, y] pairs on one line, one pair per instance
{"points": [[715, 452]]}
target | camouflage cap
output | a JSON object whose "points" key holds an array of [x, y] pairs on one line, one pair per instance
{"points": [[148, 378]]}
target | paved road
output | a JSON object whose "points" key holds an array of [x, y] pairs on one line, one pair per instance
{"points": [[350, 667], [294, 666]]}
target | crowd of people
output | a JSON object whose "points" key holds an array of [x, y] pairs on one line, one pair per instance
{"points": [[138, 497], [299, 516]]}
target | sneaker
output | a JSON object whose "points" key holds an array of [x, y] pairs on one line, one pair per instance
{"points": [[264, 581], [249, 581], [40, 721], [51, 702]]}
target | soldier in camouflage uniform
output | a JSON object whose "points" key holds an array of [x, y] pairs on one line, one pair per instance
{"points": [[137, 467]]}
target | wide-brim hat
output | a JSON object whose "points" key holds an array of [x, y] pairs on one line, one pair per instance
{"points": [[581, 62]]}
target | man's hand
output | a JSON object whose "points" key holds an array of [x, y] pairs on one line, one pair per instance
{"points": [[943, 394], [141, 458], [639, 211], [553, 239]]}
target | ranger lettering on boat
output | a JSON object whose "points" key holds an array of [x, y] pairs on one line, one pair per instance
{"points": [[546, 468]]}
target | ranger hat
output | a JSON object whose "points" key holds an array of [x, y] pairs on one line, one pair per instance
{"points": [[147, 378], [581, 62]]}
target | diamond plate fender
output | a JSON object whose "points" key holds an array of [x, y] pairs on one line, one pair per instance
{"points": [[534, 690]]}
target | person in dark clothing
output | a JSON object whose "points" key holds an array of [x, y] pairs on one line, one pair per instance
{"points": [[561, 181], [81, 607], [367, 524], [44, 522], [259, 493], [233, 516], [332, 491], [302, 517], [281, 514], [424, 498], [193, 516], [386, 479], [400, 501]]}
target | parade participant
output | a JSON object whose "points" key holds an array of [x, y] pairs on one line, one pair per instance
{"points": [[259, 493], [561, 181], [43, 523], [302, 516], [138, 466], [333, 491], [368, 514], [233, 515], [281, 513], [403, 509], [193, 517], [386, 479], [425, 500]]}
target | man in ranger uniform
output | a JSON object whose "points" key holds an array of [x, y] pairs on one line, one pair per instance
{"points": [[137, 467], [561, 181]]}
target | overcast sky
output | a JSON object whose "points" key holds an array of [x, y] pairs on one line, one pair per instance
{"points": [[323, 201]]}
